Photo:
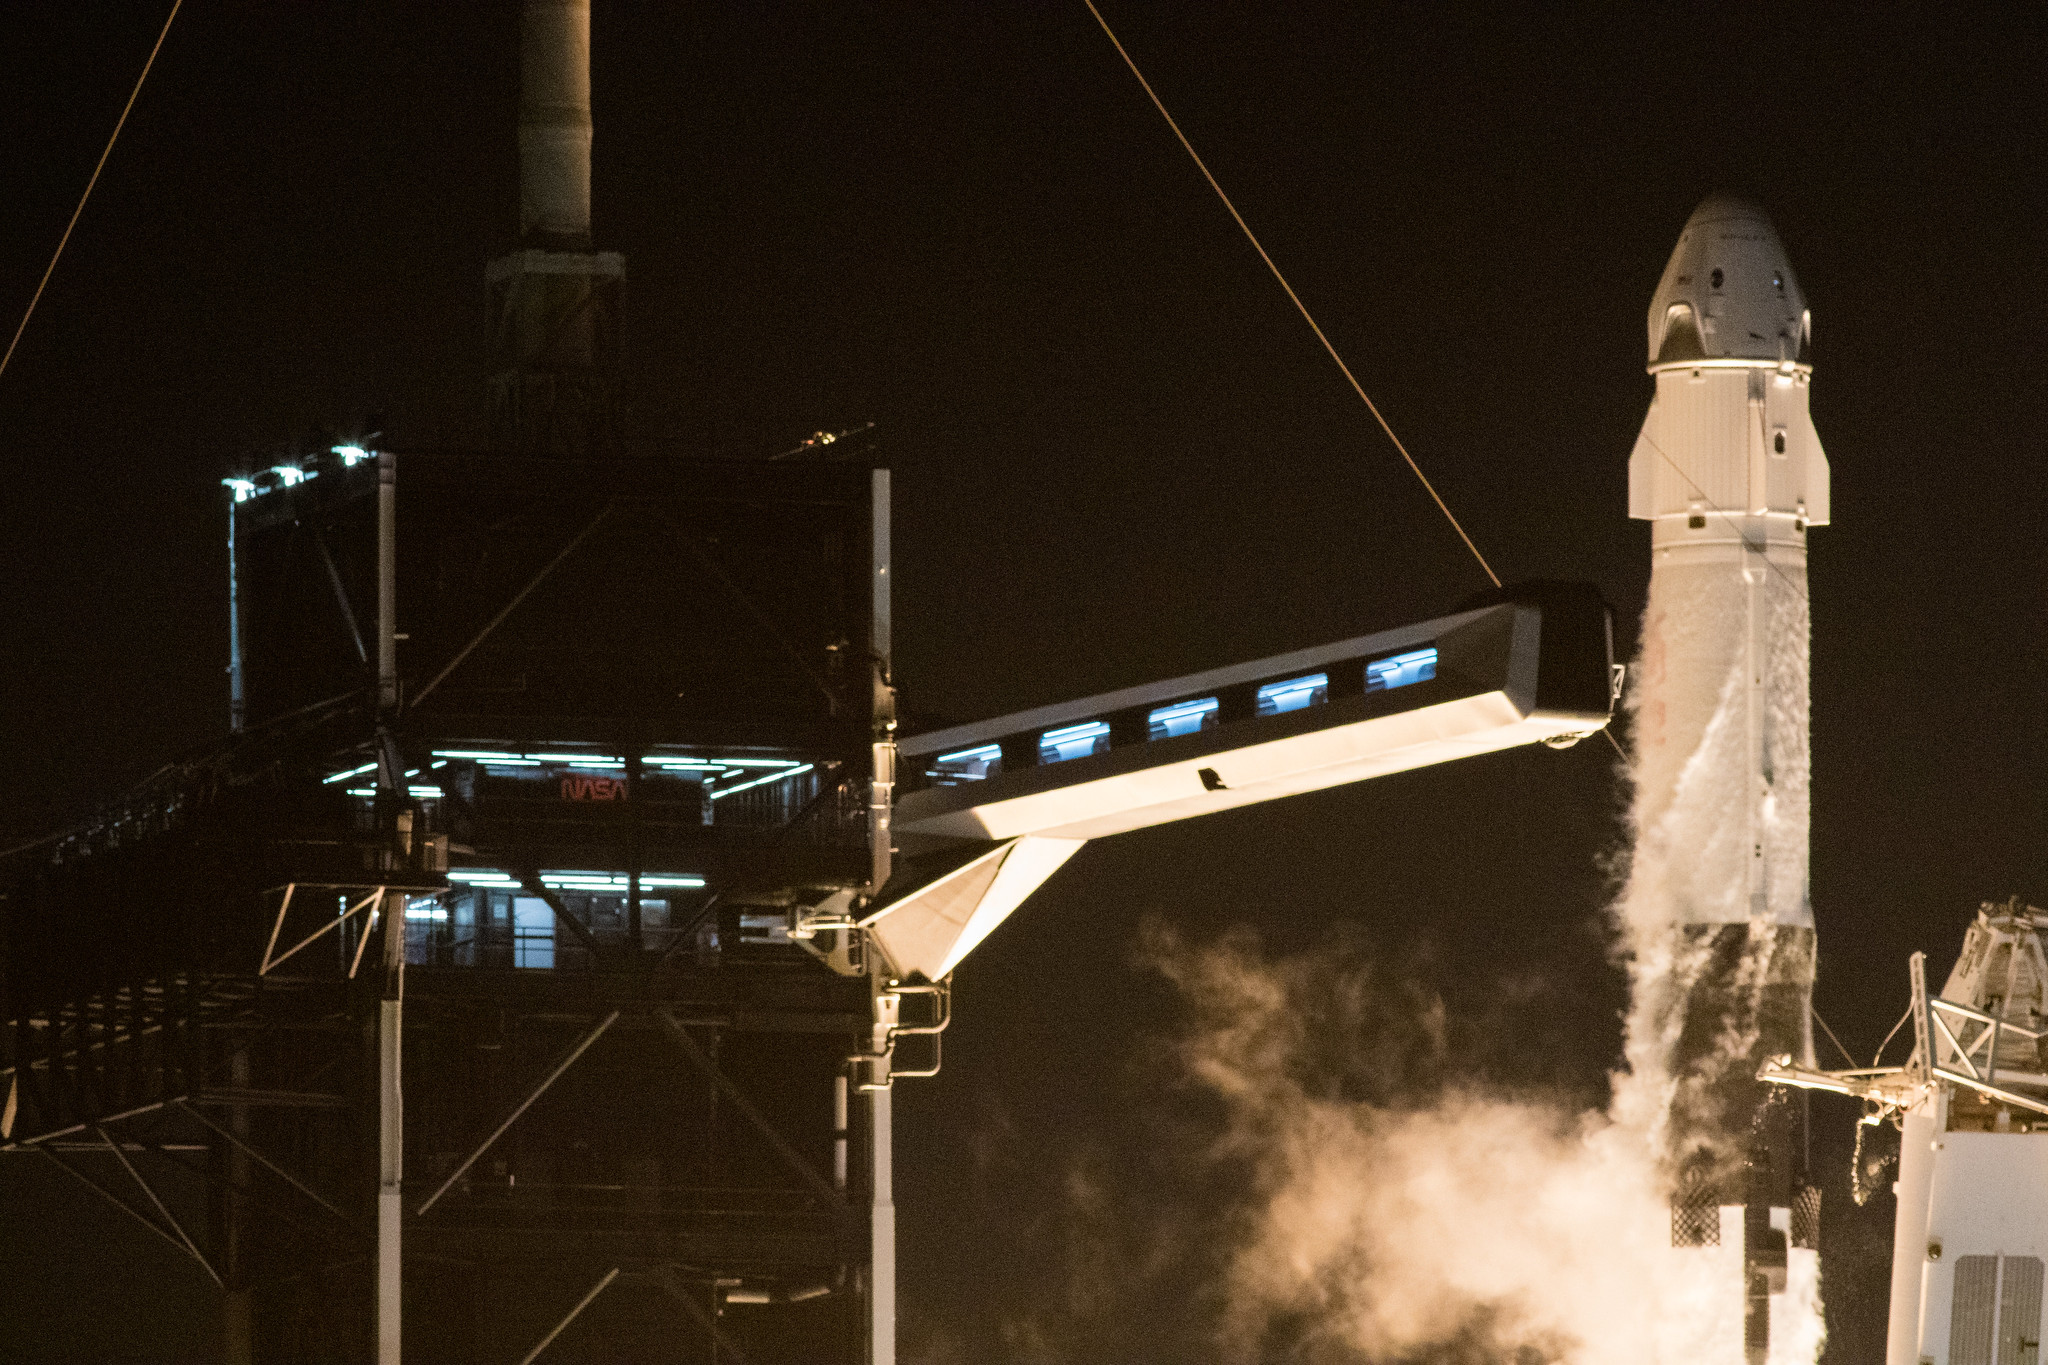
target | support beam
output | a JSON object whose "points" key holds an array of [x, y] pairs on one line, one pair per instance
{"points": [[116, 1200], [248, 1150], [391, 1002], [68, 1130], [881, 1230], [723, 1346], [390, 1145], [510, 606], [162, 1212], [568, 1060], [588, 1298], [238, 1342], [369, 902], [791, 1157], [531, 882]]}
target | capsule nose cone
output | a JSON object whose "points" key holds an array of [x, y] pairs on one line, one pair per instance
{"points": [[1728, 294]]}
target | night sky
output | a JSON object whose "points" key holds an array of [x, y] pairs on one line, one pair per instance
{"points": [[1120, 455]]}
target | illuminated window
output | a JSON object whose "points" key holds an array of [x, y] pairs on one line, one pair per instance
{"points": [[533, 932], [1181, 718], [1074, 741], [1294, 694], [1417, 665], [968, 765]]}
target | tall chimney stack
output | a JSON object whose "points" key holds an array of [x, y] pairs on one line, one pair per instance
{"points": [[554, 301], [554, 124]]}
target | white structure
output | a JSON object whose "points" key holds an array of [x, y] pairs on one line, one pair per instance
{"points": [[1972, 1226], [1730, 474], [989, 811]]}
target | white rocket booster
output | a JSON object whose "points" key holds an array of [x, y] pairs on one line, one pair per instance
{"points": [[1730, 474]]}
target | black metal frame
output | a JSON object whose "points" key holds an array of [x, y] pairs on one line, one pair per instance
{"points": [[680, 1146]]}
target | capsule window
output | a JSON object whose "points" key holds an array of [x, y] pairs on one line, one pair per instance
{"points": [[968, 765], [1181, 718], [1402, 670], [1778, 444], [1293, 695], [1697, 522], [1716, 278], [1074, 741]]}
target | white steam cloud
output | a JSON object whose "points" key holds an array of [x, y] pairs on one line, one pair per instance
{"points": [[1474, 1227]]}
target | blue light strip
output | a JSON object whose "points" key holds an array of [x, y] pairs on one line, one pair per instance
{"points": [[983, 753], [534, 758], [352, 772], [761, 781], [559, 880]]}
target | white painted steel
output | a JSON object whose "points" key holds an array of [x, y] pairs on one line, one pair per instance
{"points": [[554, 118], [1910, 1266], [881, 1230], [932, 929], [1309, 762], [1190, 685]]}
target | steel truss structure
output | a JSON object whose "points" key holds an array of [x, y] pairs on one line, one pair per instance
{"points": [[451, 1006]]}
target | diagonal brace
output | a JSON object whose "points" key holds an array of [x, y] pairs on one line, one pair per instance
{"points": [[265, 1162], [791, 1157], [509, 607], [369, 902], [568, 1060], [116, 1200], [535, 887], [162, 1212], [574, 1313], [672, 1285]]}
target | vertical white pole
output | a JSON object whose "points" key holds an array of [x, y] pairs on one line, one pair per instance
{"points": [[238, 706], [390, 1093], [387, 584], [839, 1125], [881, 1234], [881, 791], [882, 1205]]}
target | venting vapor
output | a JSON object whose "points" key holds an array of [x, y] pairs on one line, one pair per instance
{"points": [[1730, 474]]}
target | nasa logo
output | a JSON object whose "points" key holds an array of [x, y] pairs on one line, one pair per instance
{"points": [[582, 788]]}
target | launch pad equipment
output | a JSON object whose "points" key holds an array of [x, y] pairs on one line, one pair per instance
{"points": [[618, 890], [1971, 1103], [550, 926], [999, 805]]}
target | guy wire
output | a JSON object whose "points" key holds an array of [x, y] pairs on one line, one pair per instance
{"points": [[109, 151], [1300, 307]]}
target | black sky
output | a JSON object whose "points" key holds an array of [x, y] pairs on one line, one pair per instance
{"points": [[1119, 453]]}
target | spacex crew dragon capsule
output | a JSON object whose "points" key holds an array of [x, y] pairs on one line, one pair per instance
{"points": [[1729, 472]]}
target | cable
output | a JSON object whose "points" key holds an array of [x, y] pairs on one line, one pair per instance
{"points": [[109, 151], [1846, 1056], [1760, 548], [1874, 1061], [1300, 307]]}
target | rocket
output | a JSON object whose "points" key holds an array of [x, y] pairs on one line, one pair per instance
{"points": [[1730, 474]]}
